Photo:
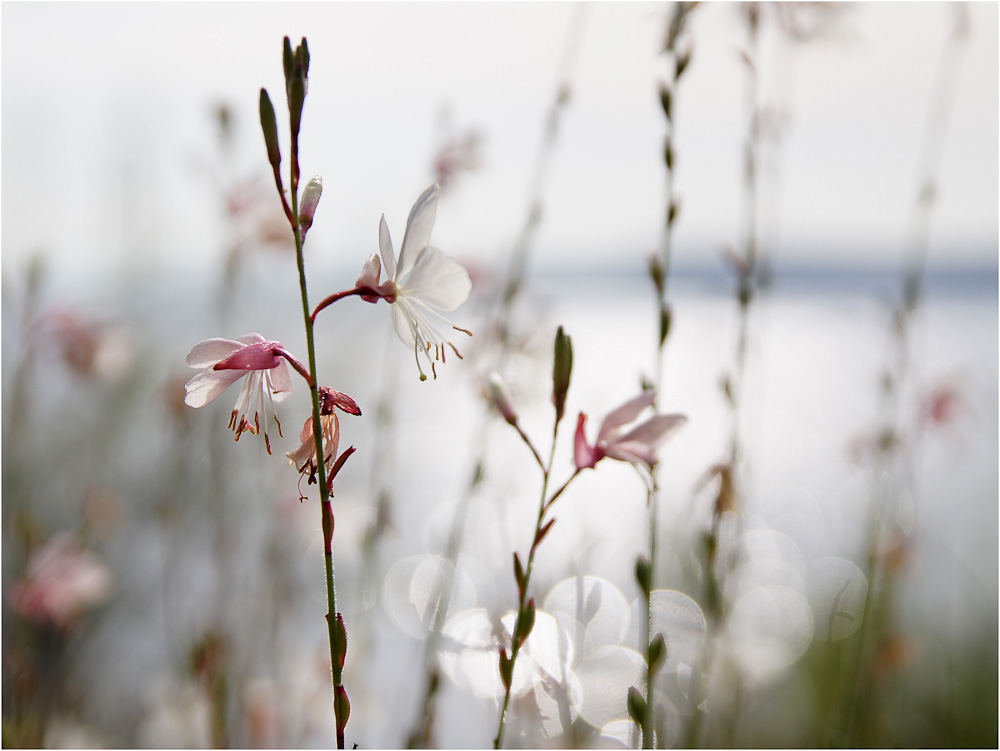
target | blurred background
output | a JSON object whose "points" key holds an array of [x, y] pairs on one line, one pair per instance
{"points": [[162, 585]]}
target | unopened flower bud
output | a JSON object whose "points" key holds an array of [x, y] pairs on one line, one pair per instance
{"points": [[310, 200], [498, 397], [269, 125], [562, 368]]}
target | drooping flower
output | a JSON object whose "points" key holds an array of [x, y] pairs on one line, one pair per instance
{"points": [[637, 447], [423, 283], [304, 457], [224, 361]]}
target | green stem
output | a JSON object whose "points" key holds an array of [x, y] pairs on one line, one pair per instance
{"points": [[515, 646], [324, 491], [648, 724]]}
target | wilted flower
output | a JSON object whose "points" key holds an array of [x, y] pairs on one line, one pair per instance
{"points": [[425, 282], [226, 361], [304, 457], [63, 581], [637, 447]]}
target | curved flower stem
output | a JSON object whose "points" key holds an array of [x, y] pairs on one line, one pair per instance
{"points": [[332, 617], [525, 604], [328, 301]]}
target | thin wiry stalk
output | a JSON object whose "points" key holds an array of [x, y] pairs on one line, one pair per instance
{"points": [[877, 614], [422, 733]]}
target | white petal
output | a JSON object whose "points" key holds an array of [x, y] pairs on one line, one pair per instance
{"points": [[439, 280], [205, 354], [206, 386], [281, 381], [402, 322], [385, 248], [418, 229]]}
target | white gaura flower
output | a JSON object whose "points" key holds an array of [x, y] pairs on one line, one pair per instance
{"points": [[224, 361], [423, 283]]}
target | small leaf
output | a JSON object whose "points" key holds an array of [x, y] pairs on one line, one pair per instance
{"points": [[506, 668], [542, 532], [643, 575], [636, 706], [656, 272], [668, 154], [682, 63], [525, 622], [665, 318], [340, 639], [341, 707], [665, 99], [519, 576]]}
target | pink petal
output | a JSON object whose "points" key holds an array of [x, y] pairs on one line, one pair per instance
{"points": [[633, 452], [584, 456], [654, 431], [625, 413], [256, 356]]}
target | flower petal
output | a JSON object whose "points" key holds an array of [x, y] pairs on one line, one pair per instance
{"points": [[280, 381], [418, 229], [207, 385], [584, 456], [205, 354], [654, 431], [257, 356], [385, 249], [625, 413], [371, 272], [633, 452], [437, 279]]}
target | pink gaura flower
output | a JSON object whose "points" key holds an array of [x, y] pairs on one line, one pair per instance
{"points": [[423, 283], [63, 581], [637, 447], [224, 361]]}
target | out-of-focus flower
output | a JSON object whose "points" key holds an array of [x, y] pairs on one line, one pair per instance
{"points": [[456, 155], [423, 283], [496, 393], [89, 348], [225, 361], [941, 405], [304, 457], [63, 581], [637, 447]]}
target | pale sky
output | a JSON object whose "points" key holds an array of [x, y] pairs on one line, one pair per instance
{"points": [[106, 111]]}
